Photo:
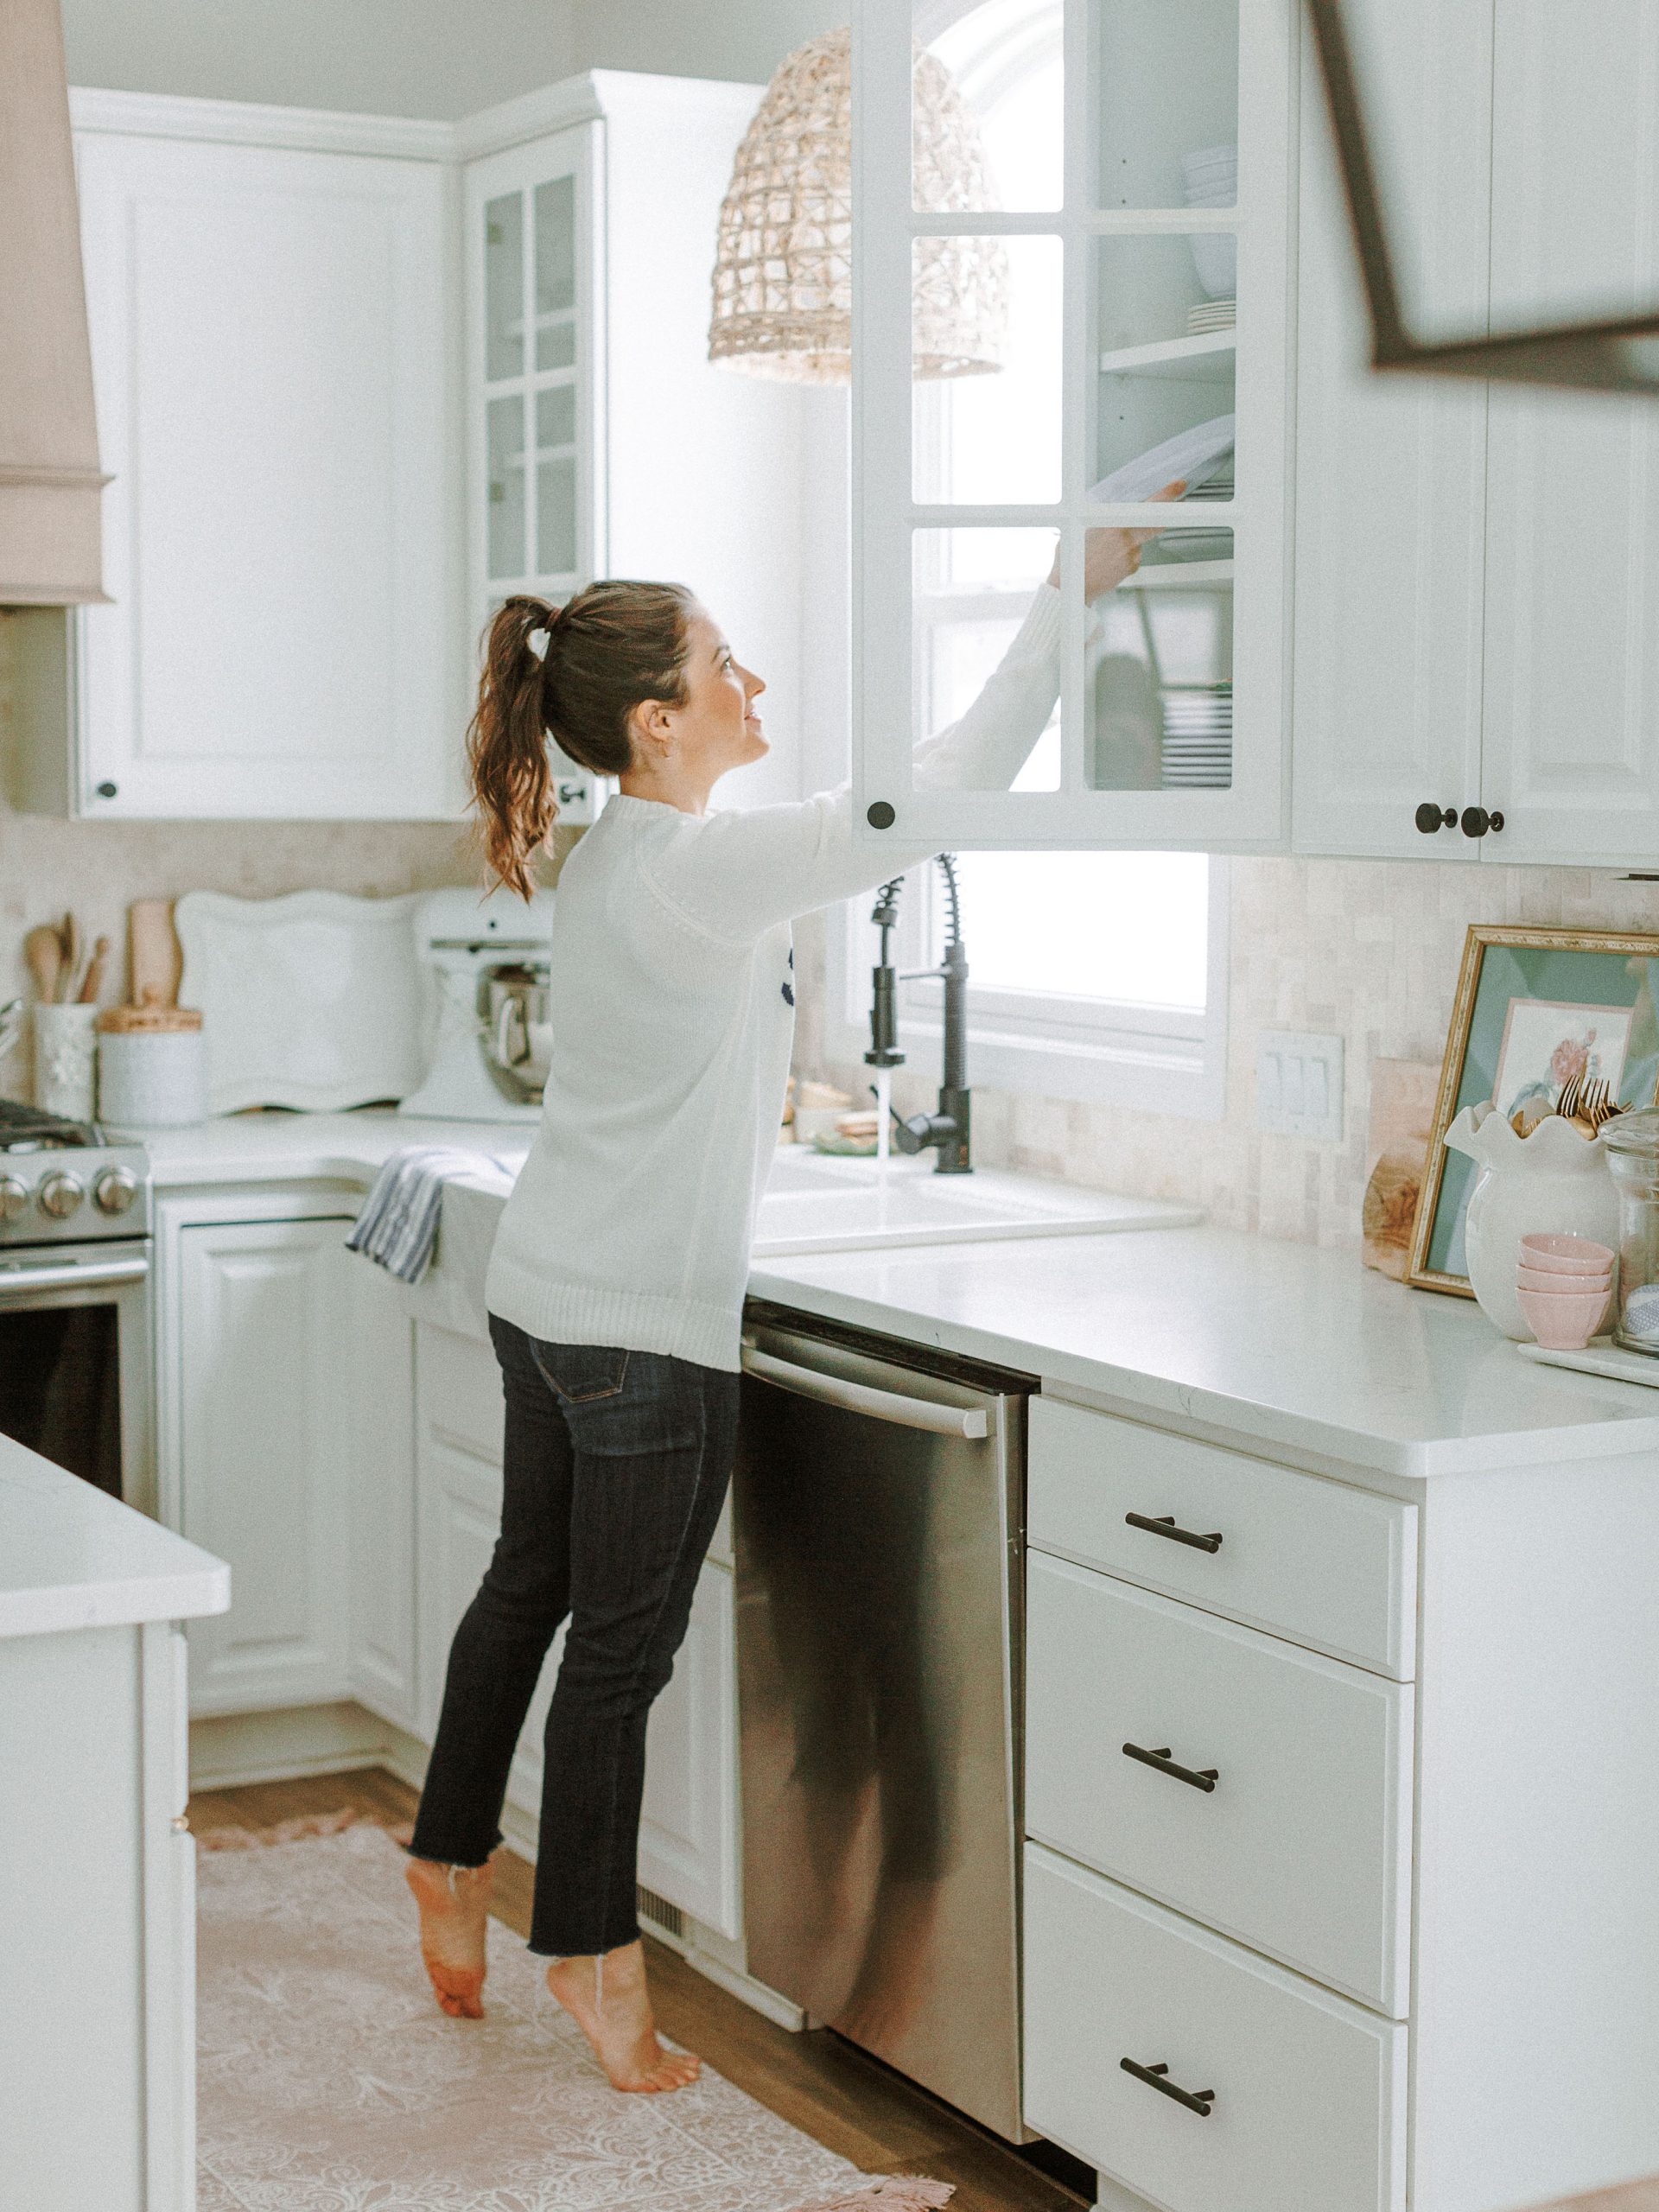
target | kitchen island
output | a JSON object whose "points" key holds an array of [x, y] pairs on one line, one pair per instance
{"points": [[97, 1964]]}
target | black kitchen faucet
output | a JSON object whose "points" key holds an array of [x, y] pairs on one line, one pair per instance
{"points": [[949, 1130]]}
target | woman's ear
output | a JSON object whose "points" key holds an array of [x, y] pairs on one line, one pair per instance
{"points": [[656, 726], [653, 730]]}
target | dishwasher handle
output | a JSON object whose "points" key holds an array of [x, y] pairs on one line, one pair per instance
{"points": [[863, 1398]]}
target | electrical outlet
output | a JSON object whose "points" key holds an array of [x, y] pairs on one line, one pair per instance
{"points": [[1298, 1085]]}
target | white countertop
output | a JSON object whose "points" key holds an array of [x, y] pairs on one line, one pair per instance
{"points": [[273, 1147], [1299, 1348], [1291, 1346], [71, 1557]]}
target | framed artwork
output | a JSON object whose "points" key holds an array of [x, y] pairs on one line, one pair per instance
{"points": [[1534, 1008]]}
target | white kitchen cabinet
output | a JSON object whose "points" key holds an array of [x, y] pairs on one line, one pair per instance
{"points": [[1391, 472], [97, 2044], [251, 1448], [269, 327], [375, 1401], [1170, 720], [600, 439], [1571, 651], [1466, 1852], [688, 1834], [1474, 632]]}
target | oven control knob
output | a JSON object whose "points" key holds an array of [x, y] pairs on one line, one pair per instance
{"points": [[60, 1196], [14, 1197], [115, 1190]]}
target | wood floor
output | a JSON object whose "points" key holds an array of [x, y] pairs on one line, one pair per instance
{"points": [[819, 2083]]}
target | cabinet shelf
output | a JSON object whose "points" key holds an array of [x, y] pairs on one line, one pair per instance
{"points": [[1168, 575], [1182, 359]]}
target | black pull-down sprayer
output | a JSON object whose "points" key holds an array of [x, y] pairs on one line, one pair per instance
{"points": [[949, 1131]]}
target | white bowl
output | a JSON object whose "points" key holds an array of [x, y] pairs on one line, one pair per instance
{"points": [[1215, 257]]}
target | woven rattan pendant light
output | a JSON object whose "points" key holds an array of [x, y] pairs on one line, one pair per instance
{"points": [[783, 271]]}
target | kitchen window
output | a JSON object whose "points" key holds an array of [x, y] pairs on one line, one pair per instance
{"points": [[1093, 976]]}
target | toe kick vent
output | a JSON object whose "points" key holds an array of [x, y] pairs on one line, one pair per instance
{"points": [[664, 1919]]}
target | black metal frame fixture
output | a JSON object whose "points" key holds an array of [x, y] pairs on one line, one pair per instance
{"points": [[1601, 356]]}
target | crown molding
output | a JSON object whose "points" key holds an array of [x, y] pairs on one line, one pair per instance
{"points": [[532, 115], [247, 122], [586, 97]]}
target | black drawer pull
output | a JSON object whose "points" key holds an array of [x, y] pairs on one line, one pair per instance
{"points": [[1165, 1526], [1157, 2077], [1205, 1778]]}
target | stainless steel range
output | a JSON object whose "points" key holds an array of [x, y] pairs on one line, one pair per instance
{"points": [[74, 1300]]}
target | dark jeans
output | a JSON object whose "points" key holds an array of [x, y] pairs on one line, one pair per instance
{"points": [[616, 1467]]}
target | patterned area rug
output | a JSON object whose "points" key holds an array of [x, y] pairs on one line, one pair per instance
{"points": [[329, 2081]]}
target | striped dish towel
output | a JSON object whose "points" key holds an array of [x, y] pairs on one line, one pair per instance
{"points": [[398, 1225]]}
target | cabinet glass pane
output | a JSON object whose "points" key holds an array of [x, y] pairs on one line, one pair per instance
{"points": [[504, 287], [971, 589], [555, 344], [991, 435], [555, 517], [1166, 91], [556, 256], [989, 107], [1165, 363], [1159, 694], [505, 437], [555, 415]]}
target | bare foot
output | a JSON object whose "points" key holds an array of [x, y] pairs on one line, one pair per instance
{"points": [[624, 2033], [455, 1903]]}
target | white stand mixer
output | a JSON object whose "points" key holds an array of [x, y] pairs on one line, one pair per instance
{"points": [[487, 959]]}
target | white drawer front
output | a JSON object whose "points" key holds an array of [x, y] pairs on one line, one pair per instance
{"points": [[1309, 2111], [1302, 1847], [1312, 1559]]}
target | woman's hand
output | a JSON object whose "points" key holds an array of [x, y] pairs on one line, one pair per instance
{"points": [[1109, 555]]}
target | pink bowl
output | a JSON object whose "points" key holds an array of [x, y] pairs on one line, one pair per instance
{"points": [[1566, 1255], [1563, 1322], [1547, 1279]]}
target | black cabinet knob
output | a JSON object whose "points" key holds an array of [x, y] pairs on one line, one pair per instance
{"points": [[1430, 818], [106, 790], [880, 816], [1476, 822]]}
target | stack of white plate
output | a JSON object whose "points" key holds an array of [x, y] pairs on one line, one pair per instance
{"points": [[1198, 751], [1211, 180], [1213, 315]]}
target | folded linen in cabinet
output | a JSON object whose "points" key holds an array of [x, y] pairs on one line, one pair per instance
{"points": [[398, 1225]]}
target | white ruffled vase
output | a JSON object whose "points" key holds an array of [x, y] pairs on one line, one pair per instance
{"points": [[1553, 1181]]}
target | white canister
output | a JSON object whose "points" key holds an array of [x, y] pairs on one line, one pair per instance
{"points": [[65, 1051], [152, 1067]]}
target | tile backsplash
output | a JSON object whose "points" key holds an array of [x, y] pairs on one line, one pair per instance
{"points": [[1365, 949]]}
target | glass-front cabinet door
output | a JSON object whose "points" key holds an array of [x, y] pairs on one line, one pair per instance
{"points": [[1071, 319], [534, 480]]}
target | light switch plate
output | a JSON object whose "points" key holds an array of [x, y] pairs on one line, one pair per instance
{"points": [[1298, 1085]]}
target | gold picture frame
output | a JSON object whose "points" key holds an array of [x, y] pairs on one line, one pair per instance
{"points": [[1576, 970]]}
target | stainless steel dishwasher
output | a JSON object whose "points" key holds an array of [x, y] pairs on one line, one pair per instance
{"points": [[879, 1506]]}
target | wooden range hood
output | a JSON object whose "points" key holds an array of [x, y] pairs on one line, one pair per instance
{"points": [[51, 540]]}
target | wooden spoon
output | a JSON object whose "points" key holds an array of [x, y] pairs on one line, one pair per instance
{"points": [[94, 976], [43, 949], [70, 974]]}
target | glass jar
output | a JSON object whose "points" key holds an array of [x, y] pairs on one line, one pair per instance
{"points": [[1631, 1144]]}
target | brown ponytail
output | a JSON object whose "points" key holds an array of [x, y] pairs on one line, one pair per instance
{"points": [[609, 650]]}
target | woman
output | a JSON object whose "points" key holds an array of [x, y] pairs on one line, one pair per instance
{"points": [[615, 1290]]}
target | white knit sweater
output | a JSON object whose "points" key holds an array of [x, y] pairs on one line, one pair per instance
{"points": [[673, 1011]]}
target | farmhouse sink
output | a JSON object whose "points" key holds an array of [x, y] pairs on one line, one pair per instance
{"points": [[820, 1202]]}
